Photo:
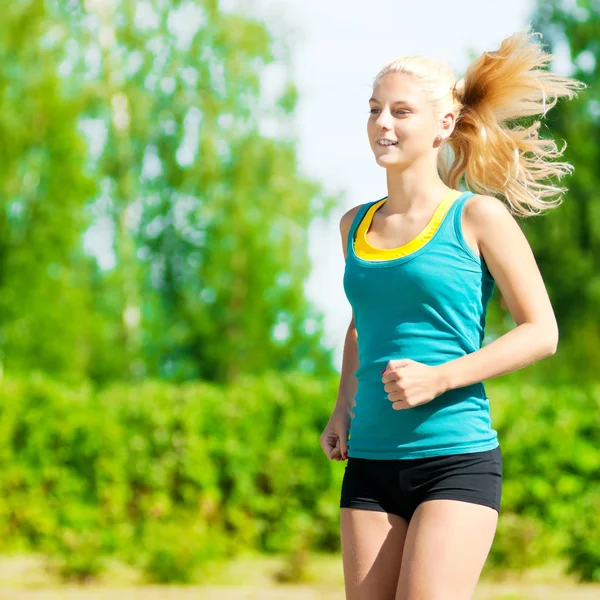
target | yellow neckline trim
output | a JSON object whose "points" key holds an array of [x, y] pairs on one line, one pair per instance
{"points": [[365, 250]]}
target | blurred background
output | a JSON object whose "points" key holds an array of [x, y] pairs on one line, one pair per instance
{"points": [[172, 317]]}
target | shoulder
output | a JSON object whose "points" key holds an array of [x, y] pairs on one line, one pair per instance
{"points": [[346, 222], [348, 217], [494, 227], [486, 215], [483, 209]]}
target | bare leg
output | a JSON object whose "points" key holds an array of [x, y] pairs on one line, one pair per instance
{"points": [[372, 544], [447, 544]]}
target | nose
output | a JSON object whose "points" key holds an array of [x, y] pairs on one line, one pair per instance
{"points": [[384, 119]]}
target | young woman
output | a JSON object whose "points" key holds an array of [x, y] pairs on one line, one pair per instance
{"points": [[421, 492]]}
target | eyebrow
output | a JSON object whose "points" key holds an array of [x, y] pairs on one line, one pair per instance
{"points": [[393, 103]]}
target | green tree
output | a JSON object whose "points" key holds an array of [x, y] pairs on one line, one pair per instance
{"points": [[198, 188], [566, 241], [214, 257], [44, 301]]}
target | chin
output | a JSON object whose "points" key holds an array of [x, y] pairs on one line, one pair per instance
{"points": [[388, 163]]}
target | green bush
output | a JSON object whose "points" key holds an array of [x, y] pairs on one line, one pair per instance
{"points": [[549, 437], [583, 549], [167, 477], [79, 556], [520, 543], [172, 552], [144, 466]]}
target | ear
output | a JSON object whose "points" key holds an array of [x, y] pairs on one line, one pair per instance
{"points": [[447, 123]]}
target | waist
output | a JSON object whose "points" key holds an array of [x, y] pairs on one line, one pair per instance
{"points": [[457, 421]]}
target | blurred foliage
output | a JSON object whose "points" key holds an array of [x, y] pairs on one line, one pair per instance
{"points": [[583, 548], [153, 231], [43, 190], [78, 556], [566, 240], [167, 477], [143, 126], [143, 131], [550, 442]]}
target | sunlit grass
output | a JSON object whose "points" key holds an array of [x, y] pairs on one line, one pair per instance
{"points": [[254, 577]]}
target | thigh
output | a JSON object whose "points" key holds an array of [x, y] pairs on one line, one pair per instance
{"points": [[372, 545], [372, 536], [447, 544]]}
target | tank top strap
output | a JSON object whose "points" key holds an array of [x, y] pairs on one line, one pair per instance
{"points": [[455, 229], [358, 217], [456, 210], [458, 204]]}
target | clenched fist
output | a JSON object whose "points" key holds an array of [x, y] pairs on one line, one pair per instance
{"points": [[410, 383], [334, 439]]}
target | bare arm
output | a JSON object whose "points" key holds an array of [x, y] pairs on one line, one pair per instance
{"points": [[348, 383], [512, 264]]}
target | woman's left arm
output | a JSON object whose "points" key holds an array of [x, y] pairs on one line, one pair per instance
{"points": [[512, 264]]}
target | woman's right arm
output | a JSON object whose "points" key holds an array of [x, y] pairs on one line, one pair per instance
{"points": [[348, 383], [334, 439]]}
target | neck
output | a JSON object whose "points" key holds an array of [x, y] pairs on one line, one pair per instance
{"points": [[413, 191]]}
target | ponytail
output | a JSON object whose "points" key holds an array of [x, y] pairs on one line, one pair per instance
{"points": [[495, 155]]}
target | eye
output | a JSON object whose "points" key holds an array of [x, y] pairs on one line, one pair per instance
{"points": [[399, 111]]}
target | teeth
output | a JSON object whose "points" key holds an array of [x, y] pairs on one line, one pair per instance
{"points": [[386, 143]]}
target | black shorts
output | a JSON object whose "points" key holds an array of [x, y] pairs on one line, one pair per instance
{"points": [[399, 486]]}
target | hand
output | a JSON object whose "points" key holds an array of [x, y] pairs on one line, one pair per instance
{"points": [[410, 383], [334, 439]]}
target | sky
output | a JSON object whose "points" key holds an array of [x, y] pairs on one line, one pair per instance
{"points": [[337, 47]]}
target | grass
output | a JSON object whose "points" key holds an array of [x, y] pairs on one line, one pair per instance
{"points": [[255, 578]]}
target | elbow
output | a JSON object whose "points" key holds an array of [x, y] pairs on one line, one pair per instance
{"points": [[352, 331], [551, 344]]}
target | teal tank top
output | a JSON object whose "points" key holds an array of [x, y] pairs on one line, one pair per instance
{"points": [[430, 306]]}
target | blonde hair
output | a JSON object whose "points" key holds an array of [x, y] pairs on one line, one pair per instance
{"points": [[495, 155]]}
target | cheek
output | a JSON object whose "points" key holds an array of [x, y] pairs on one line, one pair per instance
{"points": [[417, 131]]}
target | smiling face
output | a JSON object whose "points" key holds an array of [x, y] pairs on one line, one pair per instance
{"points": [[401, 113]]}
